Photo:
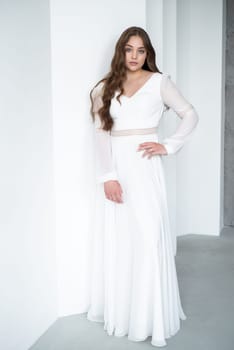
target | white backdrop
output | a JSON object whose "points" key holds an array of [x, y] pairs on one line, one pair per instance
{"points": [[200, 57], [28, 286]]}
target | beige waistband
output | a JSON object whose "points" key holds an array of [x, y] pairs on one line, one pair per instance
{"points": [[133, 131]]}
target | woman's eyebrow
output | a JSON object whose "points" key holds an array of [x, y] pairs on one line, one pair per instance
{"points": [[140, 47]]}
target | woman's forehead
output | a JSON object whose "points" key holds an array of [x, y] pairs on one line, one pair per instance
{"points": [[135, 41]]}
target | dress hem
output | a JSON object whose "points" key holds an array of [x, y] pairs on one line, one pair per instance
{"points": [[153, 342]]}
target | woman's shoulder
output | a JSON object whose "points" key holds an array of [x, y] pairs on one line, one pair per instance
{"points": [[165, 79], [162, 75], [159, 77], [96, 94], [98, 89]]}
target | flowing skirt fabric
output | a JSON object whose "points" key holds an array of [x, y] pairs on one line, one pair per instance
{"points": [[134, 287]]}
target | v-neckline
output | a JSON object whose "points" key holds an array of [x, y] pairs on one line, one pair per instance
{"points": [[141, 87]]}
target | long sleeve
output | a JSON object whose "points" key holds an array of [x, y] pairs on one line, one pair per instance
{"points": [[104, 166], [173, 98]]}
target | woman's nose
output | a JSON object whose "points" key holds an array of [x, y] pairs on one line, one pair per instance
{"points": [[134, 54]]}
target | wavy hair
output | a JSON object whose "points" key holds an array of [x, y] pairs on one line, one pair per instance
{"points": [[114, 80]]}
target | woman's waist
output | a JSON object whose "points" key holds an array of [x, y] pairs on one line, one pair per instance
{"points": [[134, 131], [133, 137]]}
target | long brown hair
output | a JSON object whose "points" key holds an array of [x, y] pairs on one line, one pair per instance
{"points": [[113, 81]]}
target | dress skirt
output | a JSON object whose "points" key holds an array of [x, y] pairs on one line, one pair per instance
{"points": [[134, 287]]}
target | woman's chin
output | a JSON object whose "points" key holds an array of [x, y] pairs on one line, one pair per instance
{"points": [[133, 68]]}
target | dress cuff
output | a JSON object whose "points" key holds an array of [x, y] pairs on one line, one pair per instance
{"points": [[107, 177], [169, 149]]}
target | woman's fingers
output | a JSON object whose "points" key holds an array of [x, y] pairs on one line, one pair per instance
{"points": [[147, 147], [151, 148], [149, 151], [115, 197]]}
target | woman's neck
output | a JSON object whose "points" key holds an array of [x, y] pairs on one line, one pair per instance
{"points": [[134, 75]]}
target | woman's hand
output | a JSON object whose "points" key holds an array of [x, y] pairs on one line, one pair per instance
{"points": [[113, 191], [151, 149]]}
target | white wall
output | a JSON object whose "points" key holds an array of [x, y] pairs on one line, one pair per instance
{"points": [[192, 52], [199, 172], [28, 302], [83, 39]]}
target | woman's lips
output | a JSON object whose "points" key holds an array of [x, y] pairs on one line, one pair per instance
{"points": [[133, 63]]}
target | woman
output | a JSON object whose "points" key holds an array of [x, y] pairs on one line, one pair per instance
{"points": [[134, 283]]}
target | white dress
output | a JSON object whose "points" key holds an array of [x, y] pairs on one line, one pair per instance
{"points": [[134, 288]]}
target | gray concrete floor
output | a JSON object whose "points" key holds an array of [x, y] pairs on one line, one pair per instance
{"points": [[205, 268]]}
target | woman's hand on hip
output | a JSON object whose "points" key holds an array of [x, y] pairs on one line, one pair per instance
{"points": [[152, 148], [113, 191]]}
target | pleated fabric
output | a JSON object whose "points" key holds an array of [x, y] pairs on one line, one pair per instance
{"points": [[134, 289]]}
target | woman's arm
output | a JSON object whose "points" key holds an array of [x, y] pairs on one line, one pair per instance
{"points": [[105, 170], [173, 98], [104, 166]]}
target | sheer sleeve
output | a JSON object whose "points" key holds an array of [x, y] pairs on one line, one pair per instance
{"points": [[173, 98], [104, 166]]}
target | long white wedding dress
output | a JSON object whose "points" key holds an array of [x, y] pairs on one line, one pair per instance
{"points": [[134, 288]]}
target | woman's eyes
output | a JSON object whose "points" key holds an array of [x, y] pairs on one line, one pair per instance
{"points": [[128, 49]]}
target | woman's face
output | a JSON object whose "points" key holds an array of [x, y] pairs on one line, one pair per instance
{"points": [[135, 53]]}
